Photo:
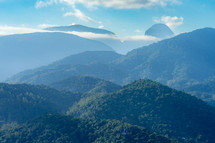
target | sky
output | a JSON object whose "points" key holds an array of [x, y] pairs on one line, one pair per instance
{"points": [[123, 17]]}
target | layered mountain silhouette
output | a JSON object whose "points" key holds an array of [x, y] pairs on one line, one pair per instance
{"points": [[60, 128], [75, 65], [26, 51], [105, 36], [21, 102], [179, 62], [160, 31], [155, 106]]}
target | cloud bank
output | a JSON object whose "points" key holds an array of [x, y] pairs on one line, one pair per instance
{"points": [[9, 30]]}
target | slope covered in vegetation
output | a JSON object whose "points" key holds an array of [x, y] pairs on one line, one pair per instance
{"points": [[59, 128], [156, 107]]}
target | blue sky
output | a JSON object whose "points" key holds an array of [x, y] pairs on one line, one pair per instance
{"points": [[124, 17]]}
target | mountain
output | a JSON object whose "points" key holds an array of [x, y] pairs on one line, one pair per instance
{"points": [[20, 103], [59, 128], [157, 107], [107, 37], [205, 91], [85, 84], [160, 31], [26, 51], [79, 28], [74, 65], [177, 62], [89, 57]]}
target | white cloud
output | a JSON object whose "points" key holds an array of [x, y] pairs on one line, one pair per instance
{"points": [[79, 14], [117, 4], [138, 31], [172, 22], [46, 25], [124, 4], [9, 30], [141, 38], [101, 26], [46, 3], [91, 35]]}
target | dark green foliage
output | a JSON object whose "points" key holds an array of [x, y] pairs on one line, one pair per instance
{"points": [[23, 102], [65, 129], [156, 107], [85, 84]]}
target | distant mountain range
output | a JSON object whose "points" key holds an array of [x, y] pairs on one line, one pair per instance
{"points": [[80, 28], [177, 62], [159, 31], [107, 37], [26, 51]]}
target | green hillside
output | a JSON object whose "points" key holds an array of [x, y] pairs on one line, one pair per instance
{"points": [[19, 103], [154, 106], [65, 129]]}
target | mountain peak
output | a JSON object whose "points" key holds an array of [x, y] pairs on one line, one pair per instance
{"points": [[160, 31]]}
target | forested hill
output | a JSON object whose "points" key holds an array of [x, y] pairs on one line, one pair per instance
{"points": [[156, 107], [59, 128], [20, 103]]}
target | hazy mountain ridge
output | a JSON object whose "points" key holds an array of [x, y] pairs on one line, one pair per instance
{"points": [[26, 51], [87, 63], [105, 36], [189, 54]]}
